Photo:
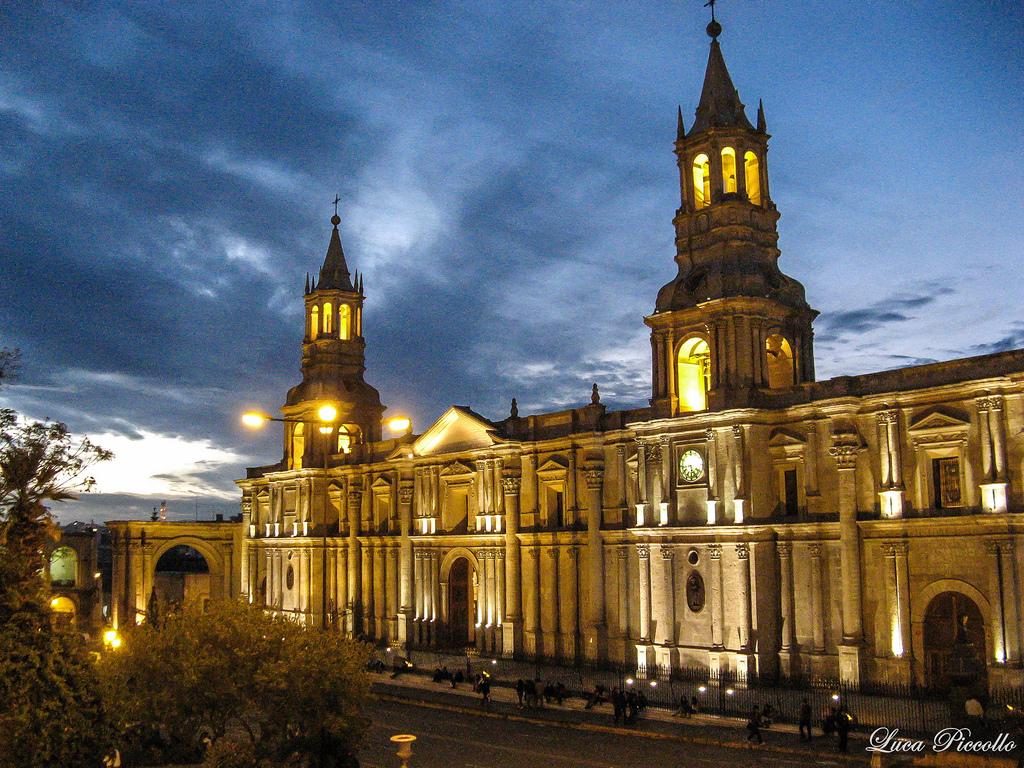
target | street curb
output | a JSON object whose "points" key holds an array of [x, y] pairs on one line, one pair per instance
{"points": [[593, 727]]}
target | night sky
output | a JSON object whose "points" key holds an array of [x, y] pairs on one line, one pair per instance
{"points": [[507, 186]]}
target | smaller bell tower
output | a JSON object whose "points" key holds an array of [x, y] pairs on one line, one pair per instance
{"points": [[730, 325], [333, 364]]}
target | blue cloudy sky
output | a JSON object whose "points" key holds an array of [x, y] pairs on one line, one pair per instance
{"points": [[507, 185]]}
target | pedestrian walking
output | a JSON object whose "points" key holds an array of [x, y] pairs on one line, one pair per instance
{"points": [[618, 705], [805, 720], [485, 692], [520, 691], [754, 726], [843, 722]]}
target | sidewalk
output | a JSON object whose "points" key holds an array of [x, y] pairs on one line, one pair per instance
{"points": [[653, 723]]}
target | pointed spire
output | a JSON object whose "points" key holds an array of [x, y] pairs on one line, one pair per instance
{"points": [[680, 126], [306, 292], [720, 105], [360, 285], [334, 273], [762, 126]]}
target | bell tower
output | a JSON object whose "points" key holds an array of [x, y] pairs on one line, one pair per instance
{"points": [[333, 364], [730, 325]]}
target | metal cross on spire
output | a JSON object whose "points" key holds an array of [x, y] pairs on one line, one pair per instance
{"points": [[711, 4], [714, 28], [337, 199]]}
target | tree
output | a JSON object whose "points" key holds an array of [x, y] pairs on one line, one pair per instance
{"points": [[50, 713], [261, 689]]}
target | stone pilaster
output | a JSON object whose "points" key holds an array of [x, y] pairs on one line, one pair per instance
{"points": [[595, 631]]}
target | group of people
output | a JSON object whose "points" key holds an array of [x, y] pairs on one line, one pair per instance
{"points": [[532, 694], [442, 675], [838, 722], [627, 705]]}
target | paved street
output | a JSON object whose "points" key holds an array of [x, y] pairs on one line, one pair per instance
{"points": [[457, 740]]}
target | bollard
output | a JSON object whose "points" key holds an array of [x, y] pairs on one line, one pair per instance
{"points": [[404, 742]]}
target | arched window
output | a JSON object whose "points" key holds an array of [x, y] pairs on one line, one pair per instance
{"points": [[752, 172], [701, 181], [298, 445], [728, 170], [63, 609], [344, 322], [328, 319], [780, 362], [63, 567], [314, 323], [346, 438], [694, 375]]}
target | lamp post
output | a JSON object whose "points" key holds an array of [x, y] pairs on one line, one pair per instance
{"points": [[326, 414], [399, 425]]}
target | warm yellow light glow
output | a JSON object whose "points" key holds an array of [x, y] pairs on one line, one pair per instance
{"points": [[314, 323], [728, 170], [344, 322], [701, 181], [780, 362], [694, 375], [399, 424], [328, 319], [111, 639], [752, 174], [327, 413], [298, 445], [254, 419], [326, 430], [62, 605]]}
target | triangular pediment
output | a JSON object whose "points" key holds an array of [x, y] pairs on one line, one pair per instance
{"points": [[939, 419], [381, 484], [553, 464], [782, 438], [459, 429], [457, 468]]}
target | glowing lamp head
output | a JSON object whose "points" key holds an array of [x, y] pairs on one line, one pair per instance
{"points": [[111, 639], [326, 430], [327, 413], [399, 424], [254, 419]]}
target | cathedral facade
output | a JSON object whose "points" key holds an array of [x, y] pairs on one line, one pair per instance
{"points": [[748, 519]]}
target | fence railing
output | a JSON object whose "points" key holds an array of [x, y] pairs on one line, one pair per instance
{"points": [[912, 709]]}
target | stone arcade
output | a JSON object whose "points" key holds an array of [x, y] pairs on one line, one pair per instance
{"points": [[749, 518]]}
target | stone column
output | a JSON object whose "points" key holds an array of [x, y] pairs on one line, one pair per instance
{"points": [[572, 497], [891, 493], [740, 492], [570, 602], [666, 654], [814, 550], [667, 505], [850, 651], [499, 596], [487, 593], [534, 628], [717, 597], [744, 658], [268, 596], [995, 589], [642, 508], [391, 592], [784, 550], [380, 591], [993, 451], [369, 625], [623, 595], [1011, 612], [357, 613], [712, 470], [405, 610], [595, 634], [643, 647], [512, 625], [435, 600], [420, 598], [341, 594], [549, 617]]}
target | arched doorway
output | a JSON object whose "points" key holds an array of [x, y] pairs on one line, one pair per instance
{"points": [[954, 631], [64, 611], [182, 576], [460, 604]]}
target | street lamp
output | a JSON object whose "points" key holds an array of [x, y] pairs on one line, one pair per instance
{"points": [[327, 414], [400, 425]]}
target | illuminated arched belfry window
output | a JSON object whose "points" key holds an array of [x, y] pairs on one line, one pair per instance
{"points": [[63, 609], [728, 170], [348, 435], [344, 322], [701, 181], [694, 375], [780, 362], [328, 319], [63, 567], [314, 322], [752, 176], [298, 444]]}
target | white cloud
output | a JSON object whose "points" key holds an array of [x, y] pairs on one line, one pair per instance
{"points": [[161, 465]]}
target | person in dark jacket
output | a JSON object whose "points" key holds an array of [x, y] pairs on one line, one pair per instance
{"points": [[754, 726], [520, 691], [843, 722], [805, 720]]}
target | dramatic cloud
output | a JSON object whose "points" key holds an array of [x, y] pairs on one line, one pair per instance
{"points": [[507, 184]]}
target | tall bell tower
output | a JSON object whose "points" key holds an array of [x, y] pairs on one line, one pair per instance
{"points": [[333, 364], [730, 326]]}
